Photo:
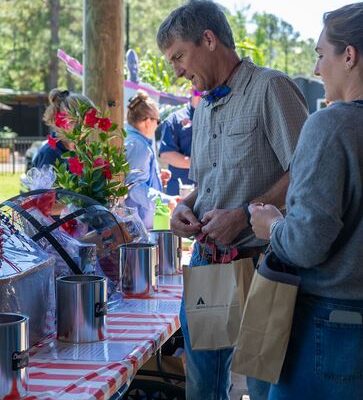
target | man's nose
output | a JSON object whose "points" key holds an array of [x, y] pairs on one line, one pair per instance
{"points": [[179, 71], [316, 70]]}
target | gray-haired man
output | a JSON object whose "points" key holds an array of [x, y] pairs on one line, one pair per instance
{"points": [[244, 134]]}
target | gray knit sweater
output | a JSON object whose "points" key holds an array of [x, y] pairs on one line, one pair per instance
{"points": [[323, 230]]}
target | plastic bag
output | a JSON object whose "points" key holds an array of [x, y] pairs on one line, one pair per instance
{"points": [[42, 178], [131, 219]]}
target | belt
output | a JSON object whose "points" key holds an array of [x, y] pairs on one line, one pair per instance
{"points": [[211, 252], [228, 255], [249, 252]]}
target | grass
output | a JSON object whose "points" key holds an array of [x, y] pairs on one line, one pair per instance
{"points": [[9, 186]]}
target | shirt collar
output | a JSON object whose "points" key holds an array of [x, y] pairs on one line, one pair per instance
{"points": [[240, 79]]}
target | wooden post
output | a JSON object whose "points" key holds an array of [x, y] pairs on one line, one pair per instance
{"points": [[103, 55]]}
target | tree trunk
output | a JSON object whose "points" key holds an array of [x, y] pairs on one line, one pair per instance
{"points": [[53, 6], [103, 55]]}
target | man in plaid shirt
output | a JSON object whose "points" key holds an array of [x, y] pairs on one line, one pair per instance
{"points": [[245, 131]]}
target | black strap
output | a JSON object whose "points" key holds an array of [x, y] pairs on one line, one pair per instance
{"points": [[43, 231]]}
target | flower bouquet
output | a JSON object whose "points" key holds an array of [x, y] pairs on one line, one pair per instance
{"points": [[95, 167]]}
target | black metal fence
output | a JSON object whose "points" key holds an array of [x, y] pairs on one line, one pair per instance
{"points": [[16, 154]]}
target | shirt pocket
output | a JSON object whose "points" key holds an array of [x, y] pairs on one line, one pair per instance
{"points": [[242, 126], [239, 140]]}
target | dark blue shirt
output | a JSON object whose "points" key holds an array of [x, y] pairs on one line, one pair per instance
{"points": [[176, 135], [48, 156]]}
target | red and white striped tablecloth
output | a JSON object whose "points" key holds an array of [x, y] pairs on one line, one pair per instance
{"points": [[136, 328]]}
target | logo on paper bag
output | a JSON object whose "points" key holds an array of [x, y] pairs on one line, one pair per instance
{"points": [[200, 303]]}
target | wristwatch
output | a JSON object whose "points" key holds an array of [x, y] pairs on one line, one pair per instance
{"points": [[273, 225], [247, 212]]}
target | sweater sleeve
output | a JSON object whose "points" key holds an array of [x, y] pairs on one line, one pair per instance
{"points": [[315, 196]]}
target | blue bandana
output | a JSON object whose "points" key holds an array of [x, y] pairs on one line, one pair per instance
{"points": [[222, 90], [216, 94]]}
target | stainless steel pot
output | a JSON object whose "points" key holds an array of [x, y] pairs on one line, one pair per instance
{"points": [[81, 308], [14, 356], [137, 264], [170, 251]]}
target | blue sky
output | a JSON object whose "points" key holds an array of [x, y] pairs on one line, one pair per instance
{"points": [[304, 15]]}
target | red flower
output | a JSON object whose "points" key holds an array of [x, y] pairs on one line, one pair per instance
{"points": [[52, 142], [104, 124], [99, 162], [75, 166], [90, 118], [106, 170], [62, 121], [70, 226]]}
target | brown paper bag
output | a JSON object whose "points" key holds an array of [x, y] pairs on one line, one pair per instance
{"points": [[266, 323], [214, 298]]}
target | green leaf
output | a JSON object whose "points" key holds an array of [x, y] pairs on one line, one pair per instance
{"points": [[103, 136]]}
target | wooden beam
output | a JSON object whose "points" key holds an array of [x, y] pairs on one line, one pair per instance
{"points": [[103, 55]]}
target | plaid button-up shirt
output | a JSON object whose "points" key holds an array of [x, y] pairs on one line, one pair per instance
{"points": [[244, 142]]}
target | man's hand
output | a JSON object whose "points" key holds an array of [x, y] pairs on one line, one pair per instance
{"points": [[183, 222], [224, 225]]}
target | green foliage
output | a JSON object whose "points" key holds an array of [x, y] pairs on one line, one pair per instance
{"points": [[155, 70], [27, 48], [95, 168], [280, 46], [145, 19], [7, 133]]}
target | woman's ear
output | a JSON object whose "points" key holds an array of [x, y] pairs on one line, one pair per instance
{"points": [[351, 57]]}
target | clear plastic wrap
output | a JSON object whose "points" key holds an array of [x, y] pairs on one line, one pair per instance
{"points": [[42, 178], [82, 235], [132, 221], [26, 280]]}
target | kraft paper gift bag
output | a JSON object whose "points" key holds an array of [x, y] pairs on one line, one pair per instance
{"points": [[214, 297], [267, 319]]}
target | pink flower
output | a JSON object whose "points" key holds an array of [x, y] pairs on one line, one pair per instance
{"points": [[52, 142], [75, 166], [104, 124], [62, 121], [90, 118]]}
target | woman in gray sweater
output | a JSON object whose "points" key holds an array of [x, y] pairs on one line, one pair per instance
{"points": [[322, 233]]}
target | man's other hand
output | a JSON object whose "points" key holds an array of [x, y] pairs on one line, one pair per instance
{"points": [[224, 225], [183, 222]]}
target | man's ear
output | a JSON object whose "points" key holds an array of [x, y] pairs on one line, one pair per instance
{"points": [[210, 39], [351, 57]]}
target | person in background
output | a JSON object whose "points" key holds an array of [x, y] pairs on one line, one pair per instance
{"points": [[52, 150], [244, 134], [322, 232], [145, 180], [176, 143]]}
